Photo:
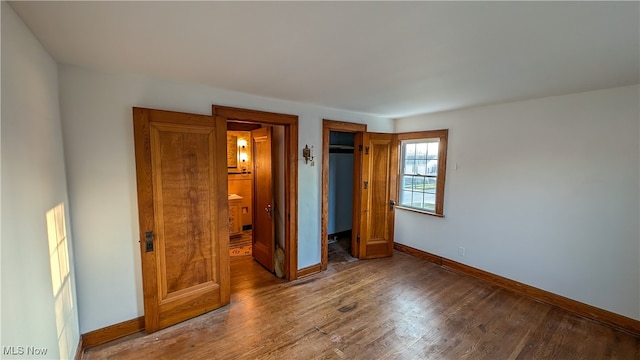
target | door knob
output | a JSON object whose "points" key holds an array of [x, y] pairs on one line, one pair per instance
{"points": [[392, 203], [268, 210]]}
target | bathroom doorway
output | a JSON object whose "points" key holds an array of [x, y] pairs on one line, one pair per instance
{"points": [[256, 193]]}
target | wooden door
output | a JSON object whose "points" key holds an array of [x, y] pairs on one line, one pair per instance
{"points": [[377, 194], [357, 193], [263, 207], [182, 204]]}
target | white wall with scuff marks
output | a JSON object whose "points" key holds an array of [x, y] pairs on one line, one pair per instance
{"points": [[39, 305], [545, 192]]}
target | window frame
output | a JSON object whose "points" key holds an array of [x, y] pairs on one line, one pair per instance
{"points": [[411, 137]]}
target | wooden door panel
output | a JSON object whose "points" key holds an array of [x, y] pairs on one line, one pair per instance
{"points": [[357, 194], [378, 190], [380, 164], [264, 211], [182, 158], [181, 170]]}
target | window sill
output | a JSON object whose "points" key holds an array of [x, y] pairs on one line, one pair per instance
{"points": [[419, 211]]}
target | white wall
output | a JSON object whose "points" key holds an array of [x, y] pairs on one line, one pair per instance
{"points": [[98, 130], [33, 182], [545, 192]]}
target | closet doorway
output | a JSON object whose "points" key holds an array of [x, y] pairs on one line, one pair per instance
{"points": [[341, 171], [374, 187]]}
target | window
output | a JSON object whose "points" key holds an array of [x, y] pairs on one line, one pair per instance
{"points": [[422, 171]]}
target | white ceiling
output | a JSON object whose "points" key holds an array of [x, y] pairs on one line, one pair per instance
{"points": [[391, 59]]}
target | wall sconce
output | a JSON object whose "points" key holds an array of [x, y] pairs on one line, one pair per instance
{"points": [[307, 153], [242, 151]]}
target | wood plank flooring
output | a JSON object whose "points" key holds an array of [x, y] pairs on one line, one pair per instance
{"points": [[394, 308]]}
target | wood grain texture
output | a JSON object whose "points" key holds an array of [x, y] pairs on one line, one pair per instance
{"points": [[235, 218], [79, 349], [182, 188], [182, 184], [221, 181], [250, 116], [379, 179], [242, 184], [309, 270], [290, 123], [399, 307], [442, 171], [357, 129], [608, 318], [357, 195], [146, 218], [418, 253], [291, 200], [113, 332], [263, 204], [239, 126]]}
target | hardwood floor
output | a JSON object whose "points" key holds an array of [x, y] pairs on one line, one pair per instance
{"points": [[394, 308]]}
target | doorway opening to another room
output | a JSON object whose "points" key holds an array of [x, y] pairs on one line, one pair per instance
{"points": [[370, 170], [340, 200], [341, 171], [263, 176], [240, 187], [255, 164]]}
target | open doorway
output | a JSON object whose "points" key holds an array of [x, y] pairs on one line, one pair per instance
{"points": [[341, 171], [247, 180], [256, 193], [340, 200], [240, 185]]}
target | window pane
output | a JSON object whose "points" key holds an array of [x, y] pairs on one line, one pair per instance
{"points": [[432, 149], [429, 205], [430, 186], [410, 151], [405, 194], [416, 200], [409, 159], [431, 168], [405, 197], [407, 182], [421, 150], [418, 183], [409, 166]]}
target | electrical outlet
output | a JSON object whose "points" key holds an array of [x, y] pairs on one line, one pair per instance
{"points": [[461, 251]]}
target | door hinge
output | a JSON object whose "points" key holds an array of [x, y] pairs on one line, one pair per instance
{"points": [[366, 150], [366, 185], [148, 241], [360, 148]]}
